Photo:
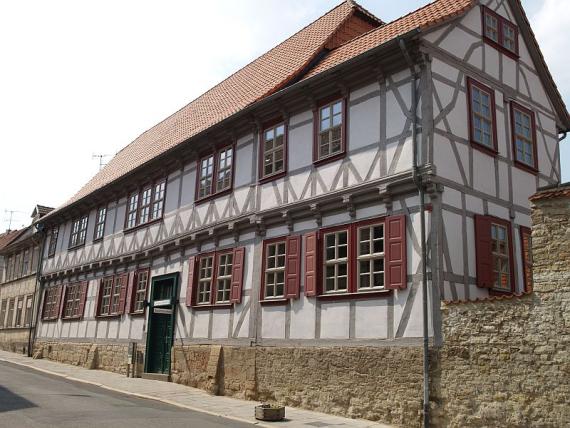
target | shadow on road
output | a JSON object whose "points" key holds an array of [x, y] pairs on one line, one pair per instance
{"points": [[10, 401]]}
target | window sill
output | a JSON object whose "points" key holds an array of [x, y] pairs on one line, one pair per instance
{"points": [[274, 302], [484, 149], [97, 240], [213, 196], [140, 226], [76, 318], [500, 48], [49, 319], [272, 177], [75, 247], [330, 158], [526, 167], [351, 296], [108, 316], [218, 306], [137, 314]]}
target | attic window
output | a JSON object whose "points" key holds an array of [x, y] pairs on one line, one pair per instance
{"points": [[500, 32]]}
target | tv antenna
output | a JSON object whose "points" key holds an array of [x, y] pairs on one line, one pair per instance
{"points": [[9, 220], [101, 157]]}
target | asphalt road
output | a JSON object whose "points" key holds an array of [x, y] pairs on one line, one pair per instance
{"points": [[29, 398]]}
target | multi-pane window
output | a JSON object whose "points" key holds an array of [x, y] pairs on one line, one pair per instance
{"points": [[26, 265], [3, 307], [205, 276], [106, 296], [132, 206], [523, 129], [275, 254], [111, 293], [72, 301], [500, 254], [273, 150], [53, 240], [29, 307], [212, 278], [10, 319], [336, 261], [140, 290], [371, 257], [146, 205], [224, 277], [19, 311], [100, 223], [215, 172], [330, 132], [482, 111], [78, 232], [51, 301], [500, 32]]}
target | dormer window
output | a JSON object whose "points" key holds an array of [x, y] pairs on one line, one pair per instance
{"points": [[146, 205], [78, 232], [500, 32], [215, 173]]}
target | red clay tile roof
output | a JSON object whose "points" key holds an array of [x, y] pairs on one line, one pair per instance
{"points": [[7, 237], [254, 81], [559, 191], [428, 16]]}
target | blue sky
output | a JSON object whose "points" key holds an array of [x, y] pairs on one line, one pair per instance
{"points": [[85, 78]]}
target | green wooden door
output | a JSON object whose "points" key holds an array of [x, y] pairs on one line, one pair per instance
{"points": [[161, 323]]}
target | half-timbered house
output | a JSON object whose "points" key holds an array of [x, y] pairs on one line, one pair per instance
{"points": [[266, 240]]}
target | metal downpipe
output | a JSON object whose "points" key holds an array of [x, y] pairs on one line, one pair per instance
{"points": [[419, 184]]}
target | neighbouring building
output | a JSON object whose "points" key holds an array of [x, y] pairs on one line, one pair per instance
{"points": [[19, 284], [265, 241]]}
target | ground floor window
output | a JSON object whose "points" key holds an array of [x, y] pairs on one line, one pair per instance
{"points": [[215, 278], [366, 256], [74, 300], [29, 308], [140, 287], [51, 302], [3, 308], [281, 267], [19, 311], [112, 293]]}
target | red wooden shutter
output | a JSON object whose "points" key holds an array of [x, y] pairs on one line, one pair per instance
{"points": [[395, 264], [84, 288], [61, 301], [237, 275], [526, 249], [311, 263], [43, 304], [123, 282], [190, 286], [483, 251], [98, 301], [292, 267], [130, 290]]}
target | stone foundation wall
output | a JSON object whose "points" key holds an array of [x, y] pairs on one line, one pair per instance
{"points": [[14, 340], [109, 357], [506, 362]]}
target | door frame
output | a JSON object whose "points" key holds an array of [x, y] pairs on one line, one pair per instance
{"points": [[174, 303]]}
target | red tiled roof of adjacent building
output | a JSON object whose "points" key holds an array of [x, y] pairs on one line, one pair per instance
{"points": [[7, 237], [558, 191]]}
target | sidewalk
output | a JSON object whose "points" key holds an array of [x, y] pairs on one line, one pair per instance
{"points": [[184, 396]]}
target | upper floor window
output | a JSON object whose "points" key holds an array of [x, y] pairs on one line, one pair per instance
{"points": [[331, 130], [356, 258], [78, 232], [146, 205], [100, 223], [524, 130], [500, 32], [53, 240], [215, 172], [273, 151], [494, 254], [482, 131], [216, 278]]}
